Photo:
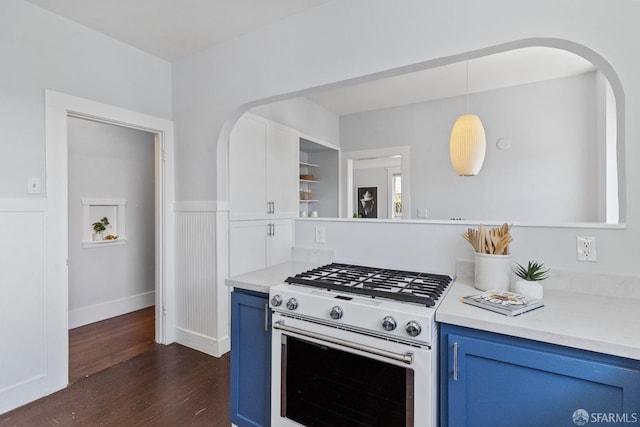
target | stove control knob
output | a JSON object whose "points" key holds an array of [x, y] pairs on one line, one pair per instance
{"points": [[413, 328], [292, 304], [389, 323], [336, 313], [276, 301]]}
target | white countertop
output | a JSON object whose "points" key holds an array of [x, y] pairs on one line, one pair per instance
{"points": [[302, 259], [602, 323], [262, 280]]}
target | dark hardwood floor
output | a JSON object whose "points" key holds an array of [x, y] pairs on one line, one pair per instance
{"points": [[101, 345], [164, 386]]}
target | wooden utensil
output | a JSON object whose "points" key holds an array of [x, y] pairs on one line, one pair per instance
{"points": [[503, 244], [471, 236], [494, 241], [489, 240], [495, 238]]}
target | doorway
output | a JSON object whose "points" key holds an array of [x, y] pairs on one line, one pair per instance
{"points": [[59, 107], [111, 204], [358, 170]]}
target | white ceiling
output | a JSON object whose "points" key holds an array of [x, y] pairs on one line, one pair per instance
{"points": [[506, 69], [173, 29]]}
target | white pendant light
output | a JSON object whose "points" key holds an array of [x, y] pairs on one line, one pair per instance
{"points": [[468, 144]]}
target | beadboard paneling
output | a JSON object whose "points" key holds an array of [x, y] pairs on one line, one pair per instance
{"points": [[196, 278]]}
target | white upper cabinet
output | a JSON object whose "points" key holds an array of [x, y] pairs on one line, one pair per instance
{"points": [[248, 167], [263, 162], [282, 170]]}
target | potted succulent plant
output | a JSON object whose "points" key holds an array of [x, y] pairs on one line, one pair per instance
{"points": [[99, 227], [531, 276]]}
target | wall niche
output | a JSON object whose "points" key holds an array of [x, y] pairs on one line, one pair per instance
{"points": [[93, 210]]}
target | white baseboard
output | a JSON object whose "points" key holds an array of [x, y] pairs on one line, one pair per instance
{"points": [[106, 310], [203, 343]]}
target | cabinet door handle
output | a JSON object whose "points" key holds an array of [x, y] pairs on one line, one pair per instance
{"points": [[266, 317], [455, 361], [273, 207]]}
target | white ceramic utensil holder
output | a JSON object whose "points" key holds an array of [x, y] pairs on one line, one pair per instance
{"points": [[492, 271]]}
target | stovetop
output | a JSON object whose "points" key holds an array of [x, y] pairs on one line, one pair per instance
{"points": [[398, 285]]}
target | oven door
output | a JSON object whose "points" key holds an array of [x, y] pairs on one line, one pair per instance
{"points": [[325, 376]]}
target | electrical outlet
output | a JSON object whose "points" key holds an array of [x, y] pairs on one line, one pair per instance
{"points": [[586, 247], [320, 236]]}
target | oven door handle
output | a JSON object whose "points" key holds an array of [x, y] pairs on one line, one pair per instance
{"points": [[405, 358]]}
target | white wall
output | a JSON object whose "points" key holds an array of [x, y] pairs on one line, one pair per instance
{"points": [[304, 116], [374, 36], [377, 37], [549, 175], [41, 51], [108, 161]]}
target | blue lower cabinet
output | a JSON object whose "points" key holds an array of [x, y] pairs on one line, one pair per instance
{"points": [[488, 379], [250, 359]]}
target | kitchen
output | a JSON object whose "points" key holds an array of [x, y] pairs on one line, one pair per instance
{"points": [[205, 93]]}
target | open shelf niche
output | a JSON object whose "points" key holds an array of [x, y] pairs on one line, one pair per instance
{"points": [[93, 210], [319, 173]]}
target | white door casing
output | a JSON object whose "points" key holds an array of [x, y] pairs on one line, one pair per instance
{"points": [[59, 107]]}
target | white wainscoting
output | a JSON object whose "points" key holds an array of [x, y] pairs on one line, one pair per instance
{"points": [[23, 293], [201, 306]]}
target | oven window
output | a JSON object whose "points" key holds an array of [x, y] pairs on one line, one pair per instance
{"points": [[322, 386]]}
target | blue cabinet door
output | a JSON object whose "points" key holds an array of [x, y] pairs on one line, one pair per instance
{"points": [[250, 359], [494, 380]]}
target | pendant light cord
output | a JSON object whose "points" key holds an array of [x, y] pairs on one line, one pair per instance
{"points": [[467, 86]]}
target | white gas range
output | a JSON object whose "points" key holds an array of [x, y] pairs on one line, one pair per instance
{"points": [[355, 345]]}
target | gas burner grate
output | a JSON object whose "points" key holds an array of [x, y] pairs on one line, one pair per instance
{"points": [[405, 286]]}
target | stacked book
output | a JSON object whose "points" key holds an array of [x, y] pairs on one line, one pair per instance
{"points": [[507, 303]]}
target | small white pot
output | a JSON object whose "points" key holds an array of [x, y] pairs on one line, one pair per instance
{"points": [[97, 237], [528, 289]]}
